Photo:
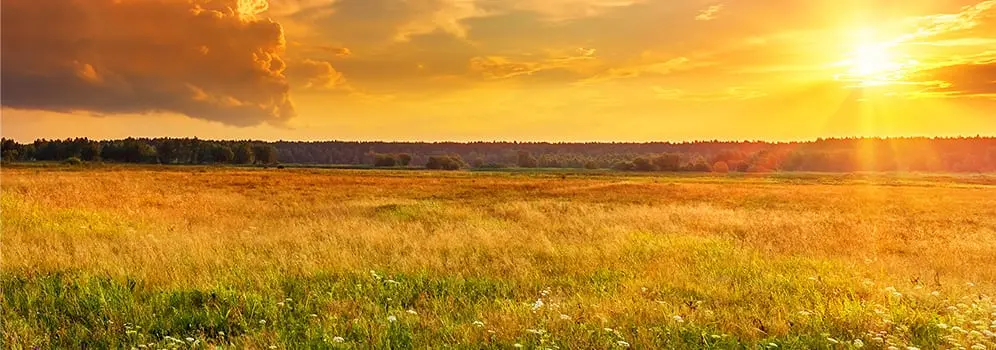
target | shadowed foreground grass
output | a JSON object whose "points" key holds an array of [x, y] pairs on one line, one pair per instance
{"points": [[151, 257]]}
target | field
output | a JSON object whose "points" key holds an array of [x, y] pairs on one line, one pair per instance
{"points": [[179, 257]]}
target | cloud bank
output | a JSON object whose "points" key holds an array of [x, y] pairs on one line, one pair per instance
{"points": [[207, 59]]}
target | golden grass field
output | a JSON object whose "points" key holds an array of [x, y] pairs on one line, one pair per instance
{"points": [[179, 257]]}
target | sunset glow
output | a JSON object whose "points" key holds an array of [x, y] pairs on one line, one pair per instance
{"points": [[462, 70]]}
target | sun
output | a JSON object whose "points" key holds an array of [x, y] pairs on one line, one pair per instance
{"points": [[873, 63], [871, 60]]}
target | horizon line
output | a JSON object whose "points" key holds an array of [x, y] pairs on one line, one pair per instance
{"points": [[693, 141]]}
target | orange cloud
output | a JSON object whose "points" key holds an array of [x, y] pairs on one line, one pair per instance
{"points": [[207, 59], [709, 13], [311, 74]]}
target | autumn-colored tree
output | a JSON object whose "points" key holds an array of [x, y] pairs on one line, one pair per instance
{"points": [[720, 167]]}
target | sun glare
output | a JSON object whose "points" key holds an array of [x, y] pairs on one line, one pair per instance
{"points": [[873, 62]]}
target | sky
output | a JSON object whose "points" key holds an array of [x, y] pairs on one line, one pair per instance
{"points": [[525, 70]]}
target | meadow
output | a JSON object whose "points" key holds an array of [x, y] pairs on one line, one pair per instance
{"points": [[197, 257]]}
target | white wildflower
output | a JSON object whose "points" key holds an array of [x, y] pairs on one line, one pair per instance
{"points": [[942, 326], [338, 340], [478, 323], [538, 304], [935, 293], [858, 343], [189, 339], [410, 311], [610, 330], [391, 318], [622, 344], [678, 319], [564, 317]]}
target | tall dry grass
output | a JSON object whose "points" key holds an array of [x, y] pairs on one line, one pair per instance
{"points": [[660, 261]]}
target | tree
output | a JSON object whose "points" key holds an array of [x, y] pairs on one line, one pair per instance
{"points": [[720, 167], [244, 154], [667, 162], [265, 154], [90, 151], [168, 151], [404, 159], [10, 150], [698, 165], [477, 162], [384, 160], [445, 163], [9, 155], [623, 166], [222, 154], [526, 160], [643, 164]]}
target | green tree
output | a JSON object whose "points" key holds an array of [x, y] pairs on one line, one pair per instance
{"points": [[90, 151], [667, 162], [385, 160], [623, 166], [222, 154], [404, 159], [453, 162], [244, 154], [643, 164], [526, 160], [265, 154]]}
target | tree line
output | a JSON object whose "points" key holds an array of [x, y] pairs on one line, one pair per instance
{"points": [[962, 154], [132, 150]]}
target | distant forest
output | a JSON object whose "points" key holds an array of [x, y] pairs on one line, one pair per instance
{"points": [[965, 154]]}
